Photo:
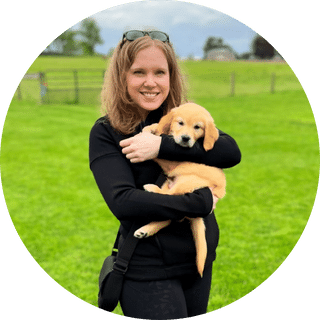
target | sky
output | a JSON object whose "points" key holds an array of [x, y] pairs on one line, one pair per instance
{"points": [[188, 25]]}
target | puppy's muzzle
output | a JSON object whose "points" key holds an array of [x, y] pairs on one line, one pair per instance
{"points": [[185, 141]]}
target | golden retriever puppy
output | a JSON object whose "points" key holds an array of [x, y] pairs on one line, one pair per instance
{"points": [[187, 124]]}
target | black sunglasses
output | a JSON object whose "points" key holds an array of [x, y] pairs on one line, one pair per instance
{"points": [[154, 35]]}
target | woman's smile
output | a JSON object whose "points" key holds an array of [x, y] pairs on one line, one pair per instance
{"points": [[150, 94]]}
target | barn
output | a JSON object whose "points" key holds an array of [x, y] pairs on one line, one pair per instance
{"points": [[221, 54]]}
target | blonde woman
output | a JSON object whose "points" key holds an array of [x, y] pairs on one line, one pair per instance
{"points": [[142, 83]]}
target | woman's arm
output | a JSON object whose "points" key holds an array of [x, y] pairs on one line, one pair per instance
{"points": [[225, 153], [126, 202], [115, 179], [145, 146]]}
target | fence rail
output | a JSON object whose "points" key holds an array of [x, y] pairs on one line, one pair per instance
{"points": [[72, 86]]}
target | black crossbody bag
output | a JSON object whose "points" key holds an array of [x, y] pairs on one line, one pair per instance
{"points": [[113, 270]]}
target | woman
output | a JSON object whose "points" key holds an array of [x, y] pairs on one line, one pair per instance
{"points": [[142, 84]]}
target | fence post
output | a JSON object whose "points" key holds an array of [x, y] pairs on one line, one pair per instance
{"points": [[43, 88], [76, 86], [232, 84], [273, 81], [19, 91]]}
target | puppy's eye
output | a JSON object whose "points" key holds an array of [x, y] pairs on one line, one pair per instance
{"points": [[180, 123], [197, 127]]}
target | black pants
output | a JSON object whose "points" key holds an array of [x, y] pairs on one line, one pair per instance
{"points": [[167, 299]]}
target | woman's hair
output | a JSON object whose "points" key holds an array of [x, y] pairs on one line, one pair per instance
{"points": [[115, 100]]}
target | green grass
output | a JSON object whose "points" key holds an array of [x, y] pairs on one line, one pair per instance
{"points": [[63, 221], [206, 79], [59, 78], [210, 79], [270, 194], [43, 63]]}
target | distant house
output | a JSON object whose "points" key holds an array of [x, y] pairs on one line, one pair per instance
{"points": [[221, 54]]}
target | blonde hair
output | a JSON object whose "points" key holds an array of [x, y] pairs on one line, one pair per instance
{"points": [[115, 100]]}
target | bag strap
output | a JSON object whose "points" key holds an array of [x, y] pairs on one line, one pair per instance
{"points": [[116, 244], [109, 293], [125, 253]]}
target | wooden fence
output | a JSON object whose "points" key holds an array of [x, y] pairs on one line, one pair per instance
{"points": [[84, 85], [70, 86], [233, 83]]}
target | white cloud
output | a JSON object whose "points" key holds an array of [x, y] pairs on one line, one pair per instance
{"points": [[160, 14], [195, 14], [187, 24]]}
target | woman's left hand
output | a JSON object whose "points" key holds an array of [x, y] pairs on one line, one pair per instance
{"points": [[143, 146]]}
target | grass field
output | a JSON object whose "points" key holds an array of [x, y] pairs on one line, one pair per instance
{"points": [[63, 221], [43, 63], [59, 78], [206, 79]]}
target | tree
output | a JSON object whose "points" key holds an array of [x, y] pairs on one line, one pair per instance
{"points": [[58, 43], [70, 44], [262, 48], [90, 33], [215, 43], [64, 44], [245, 56], [212, 43]]}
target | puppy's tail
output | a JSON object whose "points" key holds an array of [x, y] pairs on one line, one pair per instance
{"points": [[198, 230]]}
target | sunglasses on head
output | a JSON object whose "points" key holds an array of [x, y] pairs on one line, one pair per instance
{"points": [[154, 35]]}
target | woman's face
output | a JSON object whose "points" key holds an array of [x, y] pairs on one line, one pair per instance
{"points": [[148, 79]]}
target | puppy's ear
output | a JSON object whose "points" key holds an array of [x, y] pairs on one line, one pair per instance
{"points": [[211, 135], [165, 123]]}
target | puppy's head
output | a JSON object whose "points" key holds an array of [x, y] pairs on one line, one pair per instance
{"points": [[187, 124]]}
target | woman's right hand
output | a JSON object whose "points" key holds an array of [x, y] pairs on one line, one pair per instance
{"points": [[141, 147]]}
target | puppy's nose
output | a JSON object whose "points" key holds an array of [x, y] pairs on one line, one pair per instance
{"points": [[185, 138]]}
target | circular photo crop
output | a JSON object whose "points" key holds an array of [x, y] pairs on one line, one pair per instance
{"points": [[76, 159]]}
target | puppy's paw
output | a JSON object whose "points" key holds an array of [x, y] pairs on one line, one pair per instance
{"points": [[151, 188], [152, 128], [140, 234]]}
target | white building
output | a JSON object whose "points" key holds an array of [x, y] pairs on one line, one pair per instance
{"points": [[221, 54]]}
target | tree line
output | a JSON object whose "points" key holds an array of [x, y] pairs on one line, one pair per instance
{"points": [[76, 42], [83, 42], [260, 48]]}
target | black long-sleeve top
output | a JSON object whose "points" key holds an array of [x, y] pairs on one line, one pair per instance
{"points": [[171, 251]]}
